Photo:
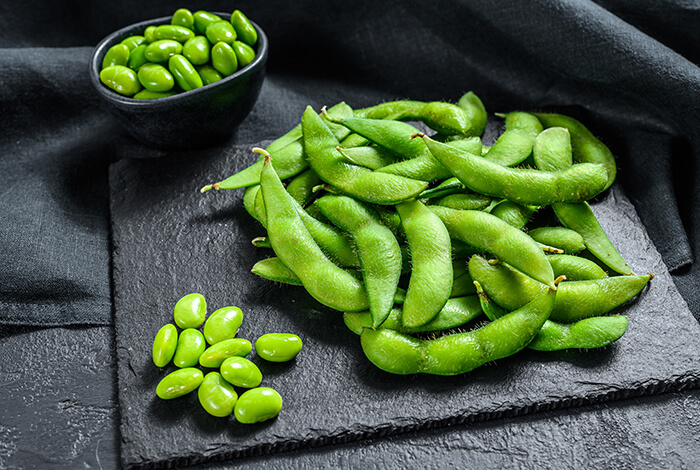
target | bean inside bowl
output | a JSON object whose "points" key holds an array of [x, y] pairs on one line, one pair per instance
{"points": [[196, 118]]}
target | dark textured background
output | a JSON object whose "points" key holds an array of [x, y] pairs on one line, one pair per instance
{"points": [[629, 70]]}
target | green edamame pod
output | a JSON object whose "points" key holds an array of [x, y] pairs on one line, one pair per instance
{"points": [[278, 347], [155, 77], [524, 121], [293, 244], [512, 213], [560, 237], [217, 353], [174, 32], [223, 324], [202, 19], [430, 283], [446, 118], [164, 345], [121, 79], [190, 346], [371, 157], [400, 109], [257, 404], [216, 395], [220, 31], [185, 74], [301, 187], [179, 383], [489, 233], [241, 372], [594, 332], [458, 353], [321, 148], [116, 55], [553, 151], [512, 147], [575, 300], [289, 159], [456, 312], [197, 50], [244, 53], [476, 111], [464, 201], [244, 28], [585, 146], [575, 268], [462, 285], [161, 50], [445, 188], [274, 269], [524, 186], [209, 74], [190, 311], [183, 17], [377, 248]]}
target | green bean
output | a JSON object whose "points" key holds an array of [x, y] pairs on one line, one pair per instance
{"points": [[202, 19], [164, 345], [116, 55], [217, 353], [575, 300], [524, 186], [458, 353], [377, 248], [155, 77], [137, 58], [278, 347], [132, 42], [489, 233], [223, 324], [173, 32], [456, 312], [179, 383], [476, 111], [585, 146], [431, 278], [190, 311], [223, 58], [216, 395], [190, 345], [241, 372], [220, 31], [121, 79], [244, 28], [320, 146], [293, 244], [289, 158], [197, 50], [257, 404], [561, 237], [575, 268], [183, 17]]}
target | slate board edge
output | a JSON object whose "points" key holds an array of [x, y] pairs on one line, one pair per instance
{"points": [[348, 436]]}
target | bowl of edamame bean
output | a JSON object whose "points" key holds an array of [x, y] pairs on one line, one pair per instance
{"points": [[181, 81]]}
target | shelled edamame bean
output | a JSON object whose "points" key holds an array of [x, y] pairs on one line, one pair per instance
{"points": [[461, 214], [224, 361], [194, 50]]}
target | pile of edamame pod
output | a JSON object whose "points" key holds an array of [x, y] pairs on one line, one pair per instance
{"points": [[216, 391], [429, 244], [194, 50]]}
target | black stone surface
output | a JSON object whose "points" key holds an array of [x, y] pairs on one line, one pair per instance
{"points": [[170, 240]]}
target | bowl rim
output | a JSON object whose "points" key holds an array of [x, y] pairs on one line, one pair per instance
{"points": [[109, 40]]}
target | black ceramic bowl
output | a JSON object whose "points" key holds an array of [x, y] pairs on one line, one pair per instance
{"points": [[191, 119]]}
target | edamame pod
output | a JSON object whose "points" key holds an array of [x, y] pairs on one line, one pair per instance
{"points": [[524, 186], [560, 237], [594, 332], [464, 201], [474, 107], [575, 268], [377, 248], [489, 233], [274, 269], [458, 353], [430, 283], [321, 148], [293, 244]]}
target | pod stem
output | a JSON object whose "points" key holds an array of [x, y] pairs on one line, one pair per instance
{"points": [[341, 150], [328, 117], [209, 187], [417, 134]]}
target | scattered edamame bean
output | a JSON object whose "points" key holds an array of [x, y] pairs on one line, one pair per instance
{"points": [[257, 404], [164, 345], [241, 372], [179, 383], [216, 395], [190, 311], [190, 346], [223, 324], [217, 353], [278, 347]]}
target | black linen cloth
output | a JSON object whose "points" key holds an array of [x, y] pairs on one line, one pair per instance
{"points": [[629, 70]]}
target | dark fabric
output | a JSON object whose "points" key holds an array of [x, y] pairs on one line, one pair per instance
{"points": [[627, 69]]}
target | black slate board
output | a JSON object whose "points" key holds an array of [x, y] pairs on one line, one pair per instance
{"points": [[169, 240]]}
